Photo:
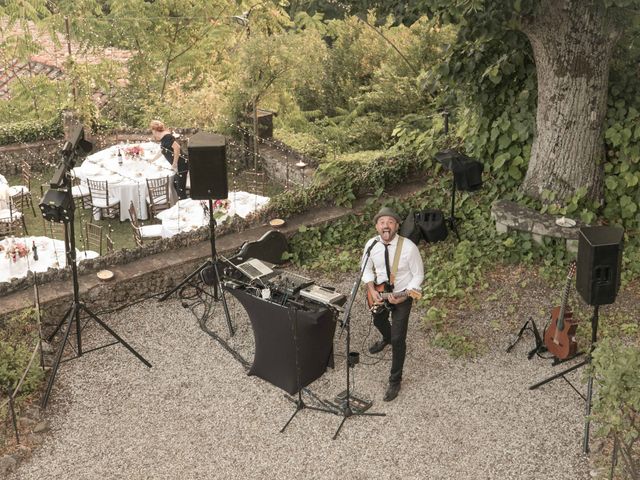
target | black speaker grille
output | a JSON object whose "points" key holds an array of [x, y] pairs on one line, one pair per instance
{"points": [[599, 264], [208, 166]]}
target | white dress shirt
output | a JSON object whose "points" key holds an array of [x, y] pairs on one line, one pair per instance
{"points": [[410, 272]]}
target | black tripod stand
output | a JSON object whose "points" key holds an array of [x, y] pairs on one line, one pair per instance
{"points": [[73, 312], [345, 408], [451, 160], [586, 361], [208, 269]]}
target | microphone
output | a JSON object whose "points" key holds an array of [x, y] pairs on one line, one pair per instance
{"points": [[371, 246]]}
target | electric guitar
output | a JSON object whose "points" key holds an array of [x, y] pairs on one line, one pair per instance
{"points": [[559, 337], [384, 290]]}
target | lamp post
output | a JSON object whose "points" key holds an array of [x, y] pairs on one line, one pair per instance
{"points": [[301, 165]]}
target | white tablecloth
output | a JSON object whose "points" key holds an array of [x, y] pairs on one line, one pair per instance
{"points": [[190, 214], [4, 196], [3, 180], [127, 182], [50, 254]]}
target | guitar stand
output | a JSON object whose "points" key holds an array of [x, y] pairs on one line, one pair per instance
{"points": [[539, 348]]}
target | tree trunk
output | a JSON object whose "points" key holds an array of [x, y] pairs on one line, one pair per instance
{"points": [[572, 42]]}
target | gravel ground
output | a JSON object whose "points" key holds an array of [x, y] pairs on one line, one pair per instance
{"points": [[196, 414]]}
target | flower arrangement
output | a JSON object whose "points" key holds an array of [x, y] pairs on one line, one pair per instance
{"points": [[16, 250], [220, 208], [134, 151]]}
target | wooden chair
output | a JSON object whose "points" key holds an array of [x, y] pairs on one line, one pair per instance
{"points": [[20, 201], [80, 193], [53, 230], [12, 227], [158, 198], [140, 231], [100, 201], [93, 237], [21, 194]]}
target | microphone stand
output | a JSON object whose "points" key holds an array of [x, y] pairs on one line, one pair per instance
{"points": [[346, 409]]}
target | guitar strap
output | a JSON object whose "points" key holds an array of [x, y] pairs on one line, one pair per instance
{"points": [[396, 260]]}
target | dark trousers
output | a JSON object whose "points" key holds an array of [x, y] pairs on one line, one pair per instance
{"points": [[395, 332], [180, 180]]}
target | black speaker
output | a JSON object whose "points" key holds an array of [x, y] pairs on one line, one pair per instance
{"points": [[208, 166], [410, 230], [432, 225], [599, 264], [468, 175]]}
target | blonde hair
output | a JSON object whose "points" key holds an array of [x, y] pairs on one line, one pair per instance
{"points": [[157, 125]]}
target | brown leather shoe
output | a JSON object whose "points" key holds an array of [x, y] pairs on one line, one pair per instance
{"points": [[392, 392]]}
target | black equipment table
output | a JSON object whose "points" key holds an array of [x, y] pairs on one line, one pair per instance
{"points": [[293, 346]]}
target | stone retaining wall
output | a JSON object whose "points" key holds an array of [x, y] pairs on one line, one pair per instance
{"points": [[124, 256]]}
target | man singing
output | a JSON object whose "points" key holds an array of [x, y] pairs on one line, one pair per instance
{"points": [[396, 262]]}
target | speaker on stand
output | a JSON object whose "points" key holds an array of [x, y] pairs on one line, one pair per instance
{"points": [[597, 281], [208, 172], [208, 166]]}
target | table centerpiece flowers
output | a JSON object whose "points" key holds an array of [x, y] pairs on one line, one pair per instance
{"points": [[134, 151], [16, 250]]}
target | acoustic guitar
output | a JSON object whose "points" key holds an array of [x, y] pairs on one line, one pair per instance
{"points": [[559, 337], [384, 290]]}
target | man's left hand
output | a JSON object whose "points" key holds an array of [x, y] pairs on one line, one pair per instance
{"points": [[396, 300]]}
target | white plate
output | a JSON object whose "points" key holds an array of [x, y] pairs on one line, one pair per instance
{"points": [[565, 222]]}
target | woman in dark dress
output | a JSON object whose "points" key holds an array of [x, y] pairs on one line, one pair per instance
{"points": [[170, 148]]}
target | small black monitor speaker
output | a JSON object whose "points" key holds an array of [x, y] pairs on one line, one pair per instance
{"points": [[208, 166], [599, 264], [468, 175]]}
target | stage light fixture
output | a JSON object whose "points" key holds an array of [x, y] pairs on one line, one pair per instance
{"points": [[56, 206]]}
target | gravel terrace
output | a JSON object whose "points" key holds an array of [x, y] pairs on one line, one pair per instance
{"points": [[197, 415]]}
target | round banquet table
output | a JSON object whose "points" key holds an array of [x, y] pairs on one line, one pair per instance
{"points": [[190, 214], [127, 182], [50, 255]]}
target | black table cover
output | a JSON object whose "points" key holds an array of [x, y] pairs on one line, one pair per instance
{"points": [[277, 331]]}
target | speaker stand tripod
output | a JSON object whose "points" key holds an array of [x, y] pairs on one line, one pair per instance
{"points": [[212, 263], [586, 361], [73, 313]]}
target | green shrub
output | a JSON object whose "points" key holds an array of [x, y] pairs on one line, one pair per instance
{"points": [[30, 131], [17, 341], [616, 370]]}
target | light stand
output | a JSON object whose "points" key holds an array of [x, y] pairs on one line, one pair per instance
{"points": [[451, 160], [208, 267], [346, 409], [452, 217], [65, 212]]}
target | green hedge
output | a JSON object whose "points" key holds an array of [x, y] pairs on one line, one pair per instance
{"points": [[30, 131]]}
